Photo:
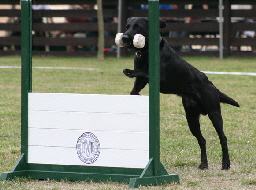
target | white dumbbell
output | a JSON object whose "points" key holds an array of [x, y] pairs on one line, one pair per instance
{"points": [[138, 40], [118, 40]]}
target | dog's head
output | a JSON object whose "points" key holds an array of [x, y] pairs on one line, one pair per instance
{"points": [[137, 25]]}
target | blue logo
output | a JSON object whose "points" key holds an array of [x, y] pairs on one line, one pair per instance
{"points": [[88, 148]]}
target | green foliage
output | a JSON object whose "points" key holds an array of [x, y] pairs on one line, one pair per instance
{"points": [[180, 152]]}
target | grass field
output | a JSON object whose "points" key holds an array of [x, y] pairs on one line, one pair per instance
{"points": [[180, 152]]}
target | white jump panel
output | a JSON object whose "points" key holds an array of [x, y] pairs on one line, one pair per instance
{"points": [[90, 103], [88, 129], [73, 120], [107, 158]]}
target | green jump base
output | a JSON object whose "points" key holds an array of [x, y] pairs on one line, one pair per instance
{"points": [[134, 177], [154, 180], [134, 181]]}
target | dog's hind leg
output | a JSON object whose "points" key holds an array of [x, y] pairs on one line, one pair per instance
{"points": [[217, 122], [193, 116], [213, 109]]}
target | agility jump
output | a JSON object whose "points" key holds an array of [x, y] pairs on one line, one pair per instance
{"points": [[65, 141]]}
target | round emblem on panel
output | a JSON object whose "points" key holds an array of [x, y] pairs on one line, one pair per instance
{"points": [[88, 148]]}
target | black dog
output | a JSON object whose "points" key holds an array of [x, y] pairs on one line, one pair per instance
{"points": [[199, 95]]}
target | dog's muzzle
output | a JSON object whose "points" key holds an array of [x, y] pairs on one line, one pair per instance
{"points": [[122, 40], [127, 40]]}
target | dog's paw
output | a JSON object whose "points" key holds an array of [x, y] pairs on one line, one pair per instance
{"points": [[134, 92], [129, 73], [226, 165], [203, 166]]}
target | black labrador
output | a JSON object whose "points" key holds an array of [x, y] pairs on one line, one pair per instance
{"points": [[199, 95]]}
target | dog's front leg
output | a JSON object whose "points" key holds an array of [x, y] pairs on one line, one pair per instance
{"points": [[135, 73], [129, 73], [139, 84]]}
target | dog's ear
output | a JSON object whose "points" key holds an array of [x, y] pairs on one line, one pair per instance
{"points": [[162, 23], [128, 19]]}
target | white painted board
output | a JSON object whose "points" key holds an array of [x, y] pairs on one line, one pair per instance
{"points": [[108, 139], [89, 103], [107, 158], [77, 120], [117, 126]]}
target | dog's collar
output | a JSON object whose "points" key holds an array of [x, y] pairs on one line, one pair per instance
{"points": [[139, 53]]}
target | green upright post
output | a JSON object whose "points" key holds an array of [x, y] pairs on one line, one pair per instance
{"points": [[154, 173], [26, 70], [20, 168], [154, 122]]}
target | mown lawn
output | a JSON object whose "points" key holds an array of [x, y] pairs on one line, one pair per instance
{"points": [[179, 149]]}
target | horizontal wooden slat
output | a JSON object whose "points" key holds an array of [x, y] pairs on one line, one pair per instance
{"points": [[60, 2], [110, 41], [76, 54], [192, 27], [42, 41], [90, 41], [201, 13], [10, 26], [90, 103], [74, 13], [68, 156], [114, 13], [175, 13], [198, 2], [192, 41], [5, 41], [59, 13], [10, 13], [122, 140], [136, 2], [83, 27], [244, 2], [243, 13], [73, 27], [243, 41], [72, 121], [67, 27], [115, 2], [59, 53], [240, 26]]}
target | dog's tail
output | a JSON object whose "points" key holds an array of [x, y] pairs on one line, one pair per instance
{"points": [[225, 99]]}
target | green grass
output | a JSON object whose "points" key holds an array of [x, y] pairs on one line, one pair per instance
{"points": [[179, 150]]}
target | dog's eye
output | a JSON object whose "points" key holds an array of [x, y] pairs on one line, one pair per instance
{"points": [[127, 27]]}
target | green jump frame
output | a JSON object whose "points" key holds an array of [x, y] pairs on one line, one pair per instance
{"points": [[154, 172]]}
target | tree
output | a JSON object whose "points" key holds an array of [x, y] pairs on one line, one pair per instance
{"points": [[100, 53]]}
